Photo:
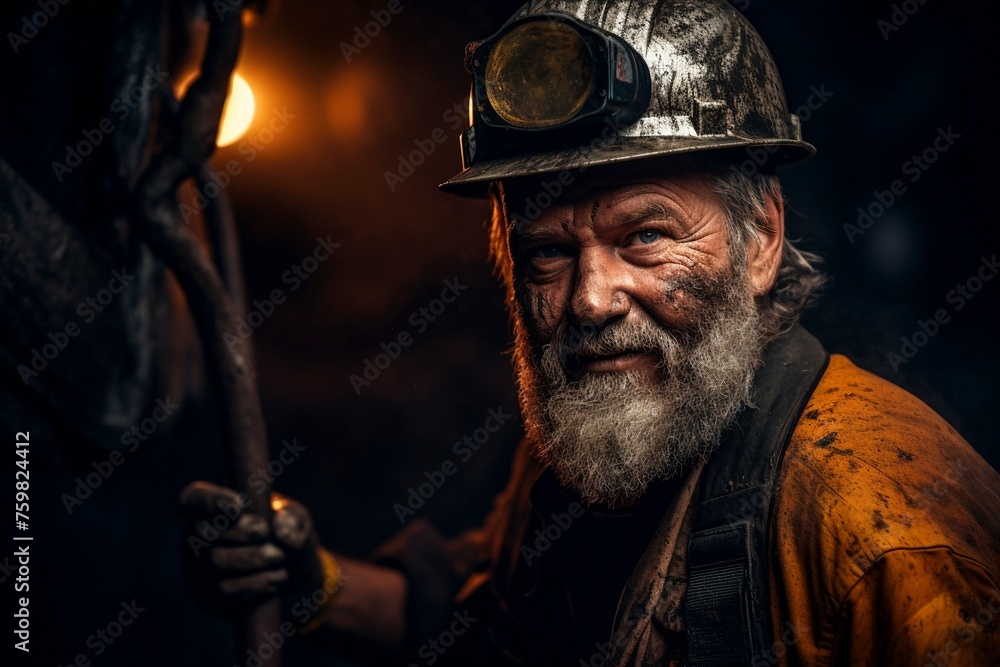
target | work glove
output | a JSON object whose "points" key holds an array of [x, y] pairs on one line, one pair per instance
{"points": [[233, 559]]}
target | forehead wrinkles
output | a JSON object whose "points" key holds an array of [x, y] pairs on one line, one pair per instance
{"points": [[620, 208], [620, 205], [682, 197]]}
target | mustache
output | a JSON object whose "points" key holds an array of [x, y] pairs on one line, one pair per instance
{"points": [[643, 334], [571, 342]]}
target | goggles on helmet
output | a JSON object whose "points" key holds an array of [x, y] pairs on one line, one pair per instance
{"points": [[545, 82]]}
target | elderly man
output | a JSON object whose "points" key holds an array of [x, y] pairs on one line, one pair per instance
{"points": [[701, 483]]}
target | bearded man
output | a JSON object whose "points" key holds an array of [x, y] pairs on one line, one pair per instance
{"points": [[701, 483]]}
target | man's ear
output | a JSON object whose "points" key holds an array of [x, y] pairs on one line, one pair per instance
{"points": [[764, 255]]}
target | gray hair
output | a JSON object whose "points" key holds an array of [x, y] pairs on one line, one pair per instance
{"points": [[744, 199]]}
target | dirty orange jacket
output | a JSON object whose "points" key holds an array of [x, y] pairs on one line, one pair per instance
{"points": [[885, 534]]}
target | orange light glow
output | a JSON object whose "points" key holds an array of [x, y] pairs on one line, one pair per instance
{"points": [[238, 112], [355, 95]]}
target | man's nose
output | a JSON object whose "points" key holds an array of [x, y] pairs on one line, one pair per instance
{"points": [[599, 293]]}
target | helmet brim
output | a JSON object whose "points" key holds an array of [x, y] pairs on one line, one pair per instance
{"points": [[474, 181]]}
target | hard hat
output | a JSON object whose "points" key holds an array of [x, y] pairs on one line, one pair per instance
{"points": [[571, 84]]}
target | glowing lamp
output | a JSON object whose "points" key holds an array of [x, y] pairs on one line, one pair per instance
{"points": [[238, 112]]}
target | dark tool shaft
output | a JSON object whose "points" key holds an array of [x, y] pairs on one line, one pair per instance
{"points": [[157, 218]]}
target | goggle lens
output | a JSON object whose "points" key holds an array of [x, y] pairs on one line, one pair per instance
{"points": [[539, 75]]}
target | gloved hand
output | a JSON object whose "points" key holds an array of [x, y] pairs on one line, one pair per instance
{"points": [[233, 559]]}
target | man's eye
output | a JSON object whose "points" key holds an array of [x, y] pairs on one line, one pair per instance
{"points": [[647, 236], [547, 252]]}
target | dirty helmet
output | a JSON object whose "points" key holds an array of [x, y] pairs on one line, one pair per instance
{"points": [[567, 85]]}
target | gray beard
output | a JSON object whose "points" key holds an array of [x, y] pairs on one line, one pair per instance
{"points": [[609, 435]]}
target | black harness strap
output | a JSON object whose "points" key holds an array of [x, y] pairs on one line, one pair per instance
{"points": [[727, 606]]}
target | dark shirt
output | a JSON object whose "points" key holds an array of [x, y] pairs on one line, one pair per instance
{"points": [[587, 566]]}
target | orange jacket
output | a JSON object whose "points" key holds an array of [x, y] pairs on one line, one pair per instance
{"points": [[885, 534]]}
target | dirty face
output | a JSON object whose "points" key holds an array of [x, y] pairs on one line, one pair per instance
{"points": [[656, 249], [638, 334]]}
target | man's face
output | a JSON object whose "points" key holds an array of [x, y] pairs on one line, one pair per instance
{"points": [[623, 250], [638, 336]]}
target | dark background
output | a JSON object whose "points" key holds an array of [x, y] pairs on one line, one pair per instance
{"points": [[325, 175]]}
